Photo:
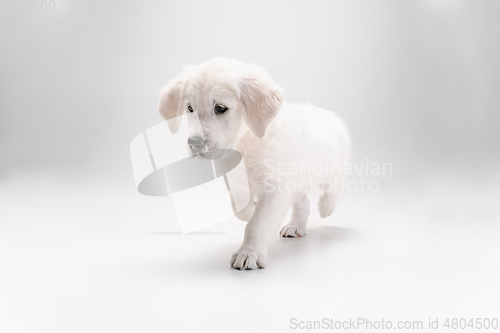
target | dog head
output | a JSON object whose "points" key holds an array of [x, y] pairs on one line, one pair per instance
{"points": [[230, 98]]}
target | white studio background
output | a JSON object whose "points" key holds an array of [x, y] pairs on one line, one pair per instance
{"points": [[417, 83]]}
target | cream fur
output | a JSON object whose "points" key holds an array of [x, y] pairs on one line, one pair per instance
{"points": [[270, 134]]}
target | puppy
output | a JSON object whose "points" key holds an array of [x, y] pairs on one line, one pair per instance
{"points": [[240, 107]]}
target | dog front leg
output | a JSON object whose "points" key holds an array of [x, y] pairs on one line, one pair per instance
{"points": [[270, 210]]}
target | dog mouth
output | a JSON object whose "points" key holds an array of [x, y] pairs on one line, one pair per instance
{"points": [[212, 154], [206, 154]]}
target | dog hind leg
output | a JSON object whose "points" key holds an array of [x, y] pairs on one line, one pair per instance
{"points": [[327, 202], [300, 213]]}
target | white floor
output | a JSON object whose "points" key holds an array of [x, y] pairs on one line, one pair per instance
{"points": [[83, 255]]}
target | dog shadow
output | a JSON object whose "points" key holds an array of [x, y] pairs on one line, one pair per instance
{"points": [[285, 254], [317, 241], [196, 233]]}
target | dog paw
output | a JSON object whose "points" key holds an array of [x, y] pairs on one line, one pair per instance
{"points": [[292, 231], [248, 259], [326, 204]]}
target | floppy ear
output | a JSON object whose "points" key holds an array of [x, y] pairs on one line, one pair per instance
{"points": [[261, 98], [169, 103]]}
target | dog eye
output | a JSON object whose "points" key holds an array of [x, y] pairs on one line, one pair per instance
{"points": [[190, 108], [220, 108]]}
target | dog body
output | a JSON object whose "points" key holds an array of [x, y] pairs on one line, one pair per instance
{"points": [[289, 150]]}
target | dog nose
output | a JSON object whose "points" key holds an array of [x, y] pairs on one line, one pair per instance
{"points": [[197, 142]]}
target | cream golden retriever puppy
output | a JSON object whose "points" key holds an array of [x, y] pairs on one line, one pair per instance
{"points": [[288, 150]]}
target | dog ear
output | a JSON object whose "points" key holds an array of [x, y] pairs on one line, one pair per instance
{"points": [[261, 98], [169, 103]]}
